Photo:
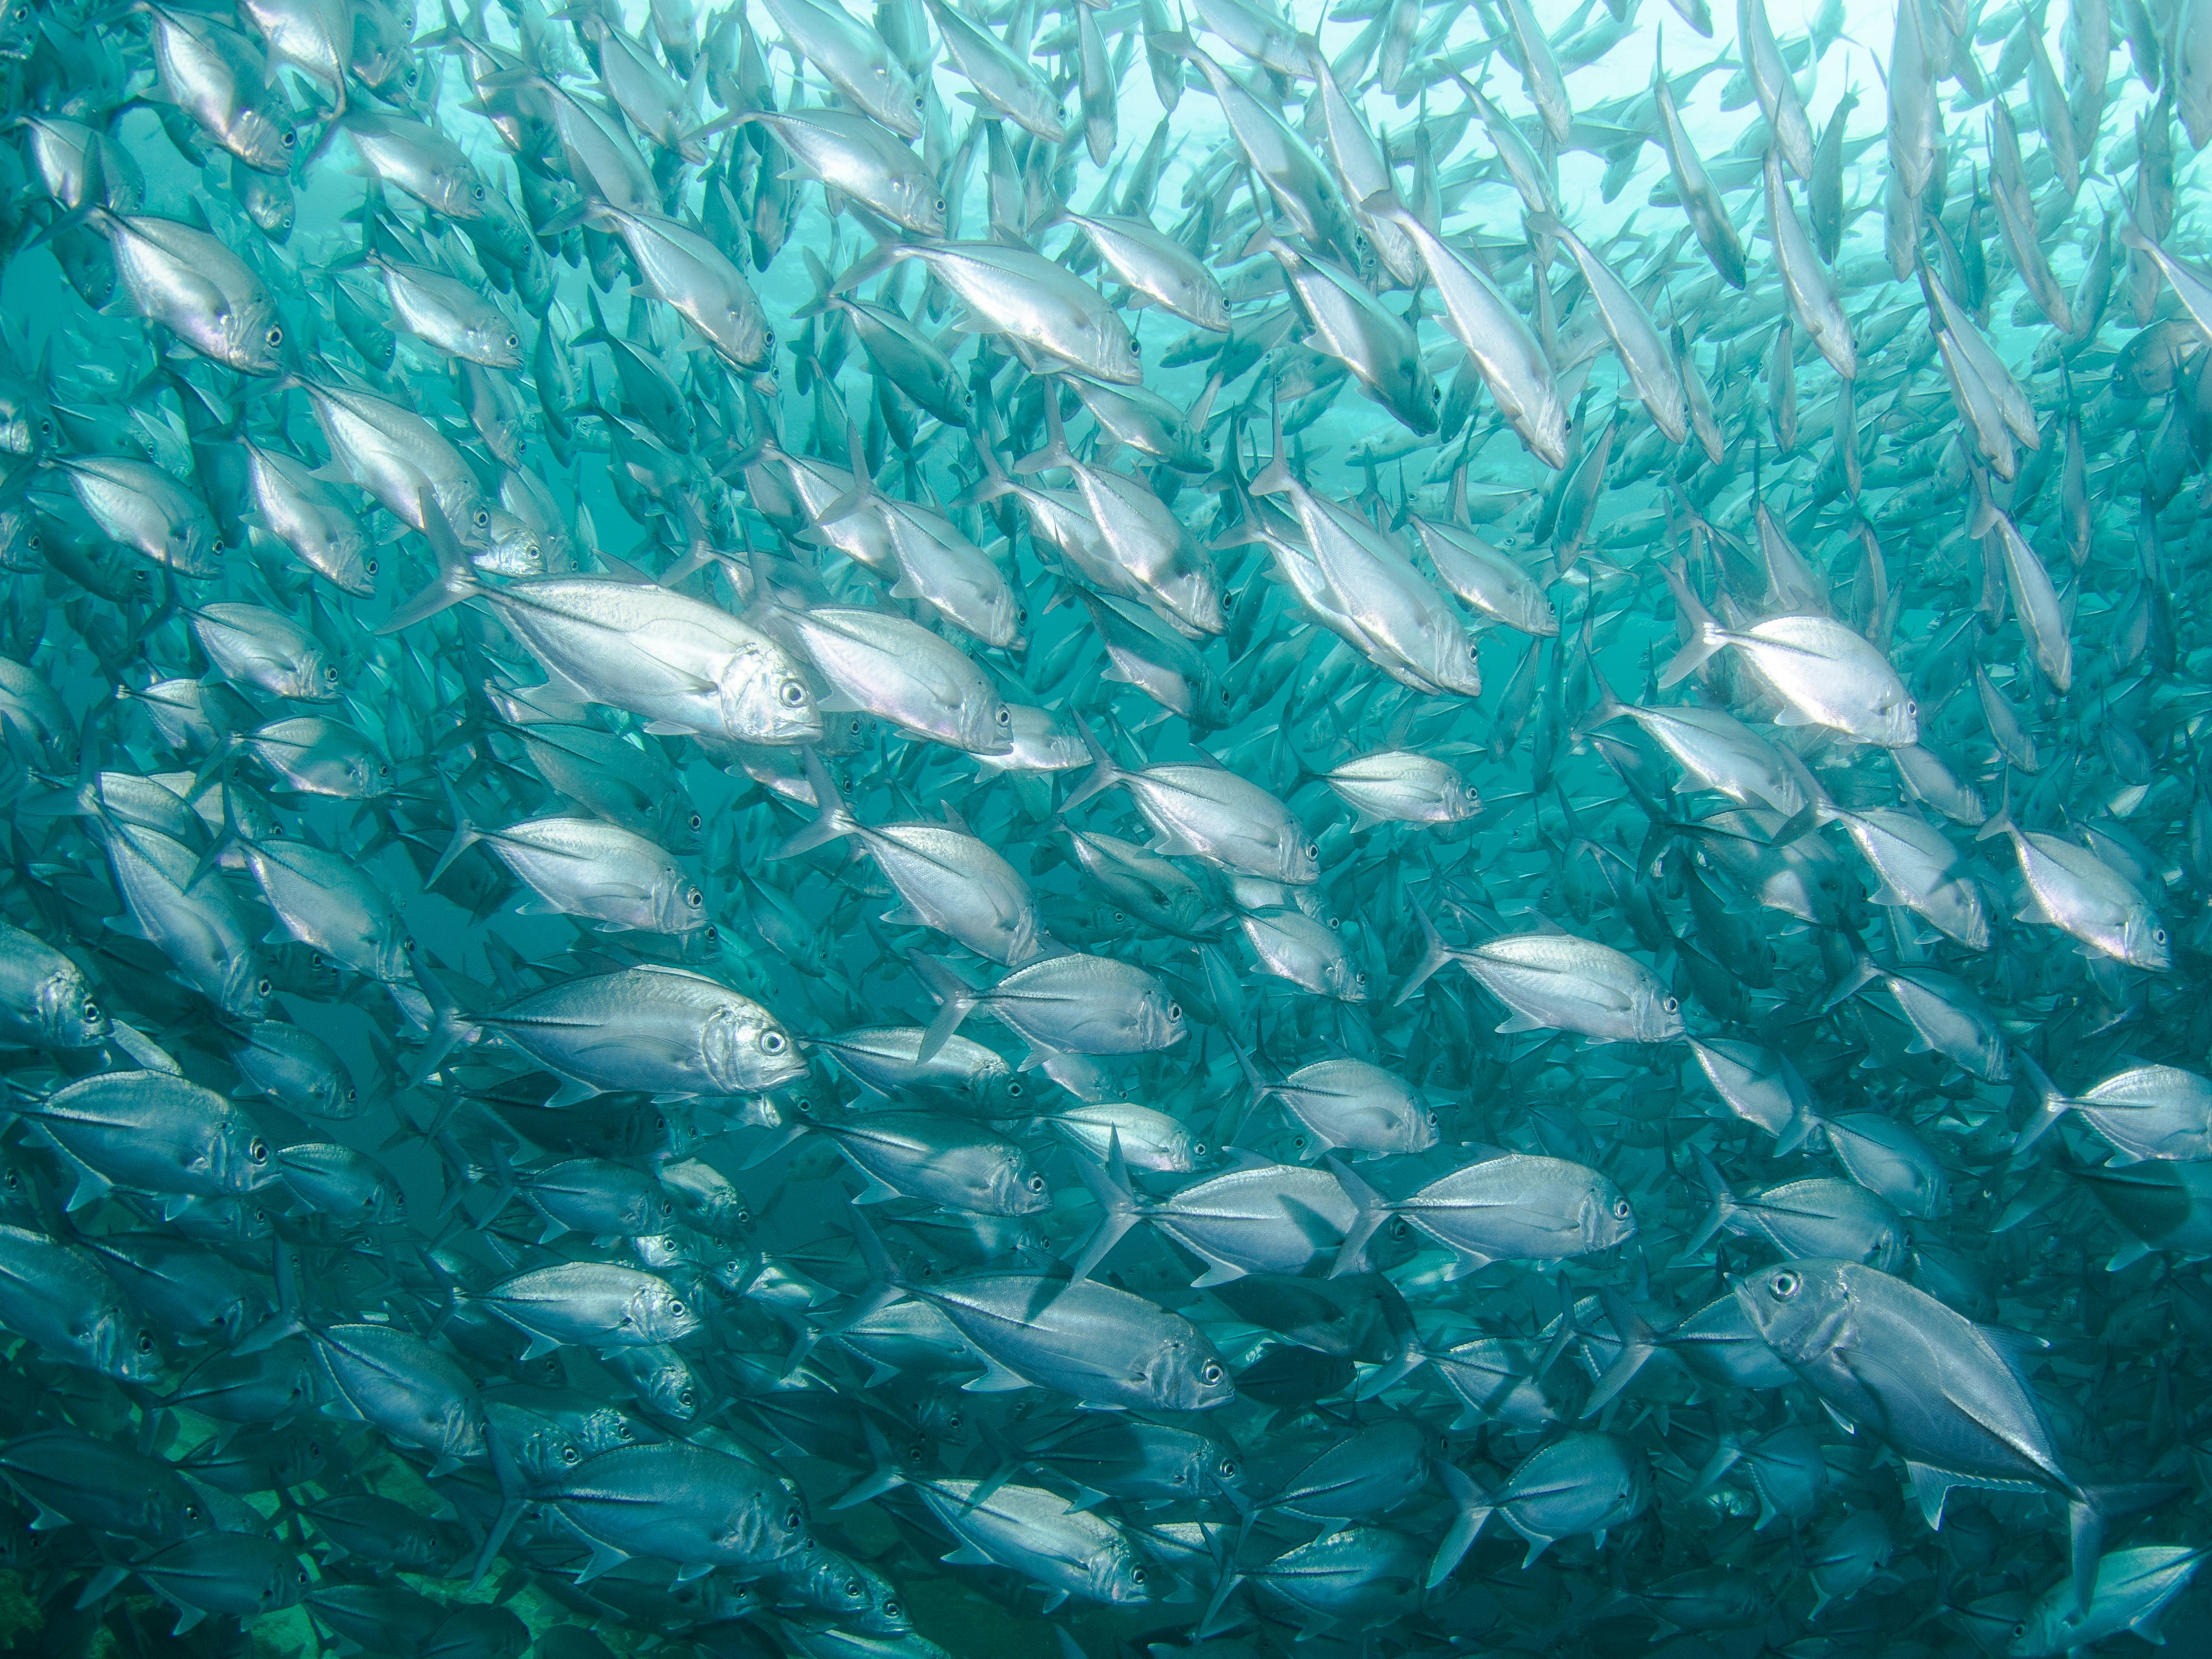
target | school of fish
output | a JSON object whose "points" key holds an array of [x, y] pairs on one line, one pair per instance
{"points": [[1066, 830]]}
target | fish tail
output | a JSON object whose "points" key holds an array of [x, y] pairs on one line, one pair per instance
{"points": [[957, 1002], [832, 820], [2050, 1105], [1472, 1508], [1638, 1342], [1725, 1203], [1705, 636], [457, 578], [465, 833], [1117, 1204], [1373, 1211], [1435, 954], [1104, 773]]}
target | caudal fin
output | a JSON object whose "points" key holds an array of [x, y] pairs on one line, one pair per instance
{"points": [[1435, 954], [2050, 1105], [1473, 1507], [832, 821], [1725, 1203], [1104, 773], [1373, 1210], [956, 1002], [1117, 1204], [1705, 634], [457, 578]]}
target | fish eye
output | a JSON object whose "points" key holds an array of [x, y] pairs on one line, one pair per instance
{"points": [[1620, 1209], [676, 1308], [774, 1043], [1210, 1372], [570, 1455], [694, 898], [918, 101], [263, 985], [1036, 1183], [91, 1011], [1014, 1090], [697, 822], [1005, 716], [1136, 1575], [791, 1520], [891, 1610], [1783, 1285], [1175, 1013], [1313, 849], [514, 339], [1672, 1004], [145, 1342], [276, 335], [941, 204], [259, 1151], [477, 191], [368, 566], [288, 139], [684, 1397], [793, 695]]}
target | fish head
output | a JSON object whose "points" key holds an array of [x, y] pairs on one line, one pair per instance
{"points": [[246, 989], [987, 724], [1160, 1021], [921, 207], [1118, 1578], [1801, 1310], [1118, 356], [765, 700], [2143, 942], [1607, 1217], [659, 1314], [125, 1348], [19, 30], [747, 1051], [999, 1093], [1658, 1012], [263, 138], [1300, 856], [679, 904], [663, 1380], [68, 1013], [1016, 1185]]}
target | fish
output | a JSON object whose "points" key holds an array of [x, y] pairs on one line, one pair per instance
{"points": [[741, 745]]}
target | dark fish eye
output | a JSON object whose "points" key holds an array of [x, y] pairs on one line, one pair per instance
{"points": [[1005, 717], [774, 1043], [91, 1011], [676, 1308], [276, 335], [259, 1151], [569, 1454], [791, 1520], [694, 898], [1036, 1183], [1136, 1575], [368, 566], [697, 822], [288, 139], [1175, 1013], [793, 695], [263, 986], [1783, 1285], [1672, 1005], [478, 191], [2157, 936], [1014, 1090], [1620, 1208], [1198, 1149], [684, 1397], [145, 1342], [514, 339]]}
